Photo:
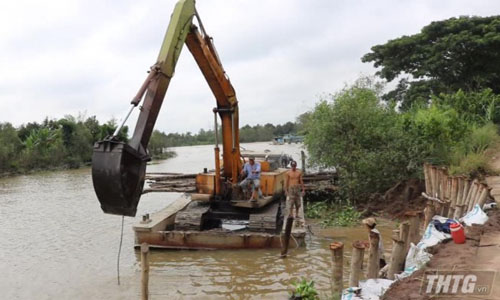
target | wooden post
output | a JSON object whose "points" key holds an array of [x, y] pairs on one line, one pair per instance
{"points": [[337, 249], [358, 251], [465, 192], [145, 271], [434, 185], [303, 159], [398, 256], [373, 258], [483, 196], [439, 208], [472, 192], [467, 196], [429, 212], [453, 196], [427, 177], [414, 221], [477, 195], [460, 190], [286, 237], [444, 184], [404, 232], [458, 211]]}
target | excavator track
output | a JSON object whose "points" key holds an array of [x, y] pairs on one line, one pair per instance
{"points": [[267, 220], [192, 217]]}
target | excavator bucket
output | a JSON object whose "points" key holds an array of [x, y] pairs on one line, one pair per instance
{"points": [[118, 173]]}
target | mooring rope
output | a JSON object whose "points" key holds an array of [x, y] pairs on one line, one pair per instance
{"points": [[119, 252]]}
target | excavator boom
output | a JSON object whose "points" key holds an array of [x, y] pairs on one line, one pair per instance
{"points": [[118, 168]]}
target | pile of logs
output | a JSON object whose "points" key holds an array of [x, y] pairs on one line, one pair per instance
{"points": [[186, 183], [451, 196], [319, 181], [171, 182]]}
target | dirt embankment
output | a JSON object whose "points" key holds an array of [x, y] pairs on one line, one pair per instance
{"points": [[445, 256], [403, 197]]}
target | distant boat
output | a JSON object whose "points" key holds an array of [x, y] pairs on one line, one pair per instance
{"points": [[288, 139]]}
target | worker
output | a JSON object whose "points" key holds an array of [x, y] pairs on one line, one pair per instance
{"points": [[251, 171], [370, 224], [293, 187]]}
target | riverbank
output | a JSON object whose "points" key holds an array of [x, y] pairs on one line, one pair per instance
{"points": [[156, 159], [459, 257]]}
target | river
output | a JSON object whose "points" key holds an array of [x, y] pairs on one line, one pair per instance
{"points": [[58, 244]]}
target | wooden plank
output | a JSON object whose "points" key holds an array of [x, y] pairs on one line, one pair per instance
{"points": [[261, 202]]}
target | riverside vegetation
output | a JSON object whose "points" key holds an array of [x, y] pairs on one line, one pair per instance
{"points": [[68, 142], [447, 113]]}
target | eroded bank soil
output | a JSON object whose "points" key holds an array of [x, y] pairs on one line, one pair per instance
{"points": [[448, 256]]}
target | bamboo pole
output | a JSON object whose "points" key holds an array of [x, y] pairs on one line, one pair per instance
{"points": [[398, 250], [439, 176], [465, 193], [480, 188], [427, 177], [460, 190], [145, 271], [472, 192], [477, 194], [337, 249], [434, 184], [358, 252], [453, 196], [429, 212], [458, 212], [444, 184], [373, 258], [483, 196]]}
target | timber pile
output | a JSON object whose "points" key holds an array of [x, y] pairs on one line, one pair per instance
{"points": [[320, 181], [451, 196], [186, 183], [171, 182]]}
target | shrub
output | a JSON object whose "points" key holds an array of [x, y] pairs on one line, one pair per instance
{"points": [[333, 215], [359, 136], [304, 290], [475, 107]]}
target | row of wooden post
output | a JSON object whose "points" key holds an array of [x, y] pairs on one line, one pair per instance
{"points": [[451, 196], [408, 232]]}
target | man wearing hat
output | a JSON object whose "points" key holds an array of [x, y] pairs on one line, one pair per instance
{"points": [[370, 224], [251, 171]]}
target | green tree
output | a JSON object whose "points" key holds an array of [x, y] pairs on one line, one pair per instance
{"points": [[458, 53], [475, 107], [10, 145], [361, 137]]}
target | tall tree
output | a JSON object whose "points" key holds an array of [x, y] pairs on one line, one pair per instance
{"points": [[458, 53]]}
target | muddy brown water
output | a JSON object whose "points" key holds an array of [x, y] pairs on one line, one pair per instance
{"points": [[57, 244]]}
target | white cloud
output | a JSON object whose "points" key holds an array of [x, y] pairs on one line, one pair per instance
{"points": [[66, 57]]}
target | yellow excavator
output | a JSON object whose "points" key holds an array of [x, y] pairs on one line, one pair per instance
{"points": [[119, 168]]}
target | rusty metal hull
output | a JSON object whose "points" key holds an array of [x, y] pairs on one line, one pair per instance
{"points": [[210, 240], [158, 233]]}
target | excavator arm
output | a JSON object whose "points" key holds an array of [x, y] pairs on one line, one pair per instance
{"points": [[118, 168]]}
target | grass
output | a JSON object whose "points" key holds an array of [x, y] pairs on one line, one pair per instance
{"points": [[472, 156]]}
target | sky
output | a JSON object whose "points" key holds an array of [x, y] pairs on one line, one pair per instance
{"points": [[89, 57]]}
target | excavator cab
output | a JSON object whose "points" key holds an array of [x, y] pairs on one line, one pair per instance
{"points": [[118, 168]]}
